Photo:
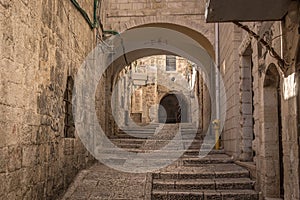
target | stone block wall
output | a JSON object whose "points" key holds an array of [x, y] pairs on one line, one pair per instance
{"points": [[269, 115], [230, 38], [121, 15], [291, 108], [204, 100], [120, 12], [284, 38], [149, 100], [42, 43]]}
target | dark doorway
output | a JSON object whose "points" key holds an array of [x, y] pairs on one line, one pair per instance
{"points": [[170, 110]]}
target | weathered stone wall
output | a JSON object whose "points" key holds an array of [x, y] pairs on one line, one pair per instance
{"points": [[205, 104], [121, 15], [150, 99], [291, 107], [275, 107], [42, 42], [122, 12], [230, 38], [272, 117]]}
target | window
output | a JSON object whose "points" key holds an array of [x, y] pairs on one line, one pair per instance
{"points": [[170, 63], [69, 130]]}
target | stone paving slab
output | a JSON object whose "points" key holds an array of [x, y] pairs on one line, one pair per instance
{"points": [[102, 182]]}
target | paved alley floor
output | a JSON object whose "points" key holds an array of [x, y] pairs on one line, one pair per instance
{"points": [[102, 182]]}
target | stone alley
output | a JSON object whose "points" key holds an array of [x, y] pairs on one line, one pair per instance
{"points": [[150, 99]]}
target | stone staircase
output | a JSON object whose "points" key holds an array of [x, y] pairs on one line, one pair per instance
{"points": [[132, 138], [215, 176]]}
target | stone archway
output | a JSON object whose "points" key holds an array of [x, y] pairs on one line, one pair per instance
{"points": [[200, 51], [272, 150], [173, 109], [201, 32], [169, 110]]}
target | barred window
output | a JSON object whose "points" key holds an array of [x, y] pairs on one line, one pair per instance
{"points": [[170, 63]]}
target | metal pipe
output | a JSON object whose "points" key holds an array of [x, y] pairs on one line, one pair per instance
{"points": [[217, 71], [217, 79], [281, 40]]}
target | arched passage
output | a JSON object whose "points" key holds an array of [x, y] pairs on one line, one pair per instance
{"points": [[198, 36], [202, 56], [272, 150], [200, 31], [173, 109]]}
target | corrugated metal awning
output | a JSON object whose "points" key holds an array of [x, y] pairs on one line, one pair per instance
{"points": [[245, 10]]}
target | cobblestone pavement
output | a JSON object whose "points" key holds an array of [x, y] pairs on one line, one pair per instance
{"points": [[102, 182]]}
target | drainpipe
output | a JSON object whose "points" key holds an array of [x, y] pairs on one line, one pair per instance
{"points": [[216, 122], [281, 40]]}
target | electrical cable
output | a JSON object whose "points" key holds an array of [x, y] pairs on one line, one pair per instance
{"points": [[97, 24], [85, 15], [273, 53]]}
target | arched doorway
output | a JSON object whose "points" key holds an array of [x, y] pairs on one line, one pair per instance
{"points": [[172, 109], [272, 136]]}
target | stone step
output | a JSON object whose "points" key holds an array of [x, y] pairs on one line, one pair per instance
{"points": [[160, 136], [150, 162], [188, 152], [190, 131], [192, 137], [213, 151], [203, 175], [135, 135], [209, 159], [186, 139], [205, 195], [189, 161], [128, 141], [204, 171], [138, 130], [203, 184], [185, 131], [154, 156], [161, 128], [154, 125], [198, 144], [141, 134], [139, 140], [194, 151], [138, 127], [128, 145]]}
